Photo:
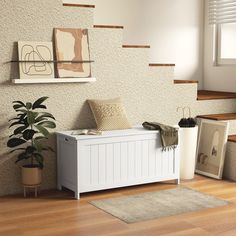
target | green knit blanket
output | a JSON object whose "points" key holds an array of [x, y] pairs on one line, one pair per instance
{"points": [[169, 135]]}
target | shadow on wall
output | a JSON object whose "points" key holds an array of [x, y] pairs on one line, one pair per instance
{"points": [[85, 118], [4, 126], [14, 70]]}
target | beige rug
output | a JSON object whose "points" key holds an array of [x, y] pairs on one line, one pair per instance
{"points": [[153, 205]]}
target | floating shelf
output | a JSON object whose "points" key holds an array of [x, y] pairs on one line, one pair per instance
{"points": [[53, 80], [49, 61]]}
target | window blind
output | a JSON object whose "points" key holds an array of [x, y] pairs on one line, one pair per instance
{"points": [[222, 11]]}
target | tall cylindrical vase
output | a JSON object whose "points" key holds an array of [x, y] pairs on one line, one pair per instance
{"points": [[188, 147]]}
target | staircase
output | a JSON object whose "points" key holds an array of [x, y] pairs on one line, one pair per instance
{"points": [[202, 102], [229, 171]]}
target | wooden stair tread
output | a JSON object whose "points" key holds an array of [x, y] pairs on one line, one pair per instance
{"points": [[176, 81], [109, 26], [78, 5], [223, 116], [211, 95], [135, 46], [232, 138], [159, 64]]}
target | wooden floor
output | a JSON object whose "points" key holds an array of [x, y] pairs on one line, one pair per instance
{"points": [[55, 213]]}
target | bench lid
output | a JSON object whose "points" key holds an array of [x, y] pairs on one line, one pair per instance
{"points": [[110, 133]]}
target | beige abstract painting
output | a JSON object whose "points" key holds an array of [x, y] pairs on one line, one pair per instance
{"points": [[72, 45], [35, 60]]}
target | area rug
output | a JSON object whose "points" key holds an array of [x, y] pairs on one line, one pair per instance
{"points": [[153, 205]]}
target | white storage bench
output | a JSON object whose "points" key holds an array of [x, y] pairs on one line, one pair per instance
{"points": [[114, 159]]}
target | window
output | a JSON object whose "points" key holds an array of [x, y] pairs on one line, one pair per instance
{"points": [[222, 15], [226, 44]]}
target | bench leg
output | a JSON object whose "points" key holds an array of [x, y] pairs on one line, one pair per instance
{"points": [[177, 181], [35, 192], [59, 187], [77, 195], [24, 191]]}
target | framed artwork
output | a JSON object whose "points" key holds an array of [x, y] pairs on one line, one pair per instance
{"points": [[35, 60], [72, 47], [211, 148]]}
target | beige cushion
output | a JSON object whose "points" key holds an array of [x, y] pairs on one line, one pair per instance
{"points": [[109, 114]]}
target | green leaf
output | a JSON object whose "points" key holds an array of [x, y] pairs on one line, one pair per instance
{"points": [[42, 107], [17, 149], [23, 118], [25, 121], [39, 158], [30, 149], [31, 117], [39, 119], [48, 124], [44, 116], [40, 137], [38, 103], [47, 114], [17, 118], [42, 130], [28, 105], [38, 145], [21, 114], [19, 130], [13, 142], [19, 102], [28, 134], [16, 123], [22, 156], [21, 110], [17, 106]]}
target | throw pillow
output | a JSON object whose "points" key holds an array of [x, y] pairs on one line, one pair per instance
{"points": [[109, 114]]}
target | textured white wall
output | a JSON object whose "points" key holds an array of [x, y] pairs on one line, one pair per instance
{"points": [[148, 92], [221, 78], [173, 28]]}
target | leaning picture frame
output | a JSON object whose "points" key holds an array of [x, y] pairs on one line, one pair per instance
{"points": [[35, 60], [211, 148], [72, 45]]}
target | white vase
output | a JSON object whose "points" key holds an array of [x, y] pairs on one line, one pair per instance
{"points": [[188, 147]]}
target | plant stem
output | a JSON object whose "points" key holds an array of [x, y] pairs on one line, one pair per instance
{"points": [[32, 143]]}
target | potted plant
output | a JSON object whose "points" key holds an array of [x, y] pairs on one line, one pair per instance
{"points": [[28, 139]]}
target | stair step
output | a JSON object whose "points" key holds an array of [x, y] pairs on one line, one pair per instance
{"points": [[223, 116], [211, 95], [185, 81], [136, 46], [232, 138], [157, 64], [78, 5], [109, 26]]}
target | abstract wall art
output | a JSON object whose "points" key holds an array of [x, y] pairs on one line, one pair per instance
{"points": [[72, 48], [212, 142], [35, 60]]}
